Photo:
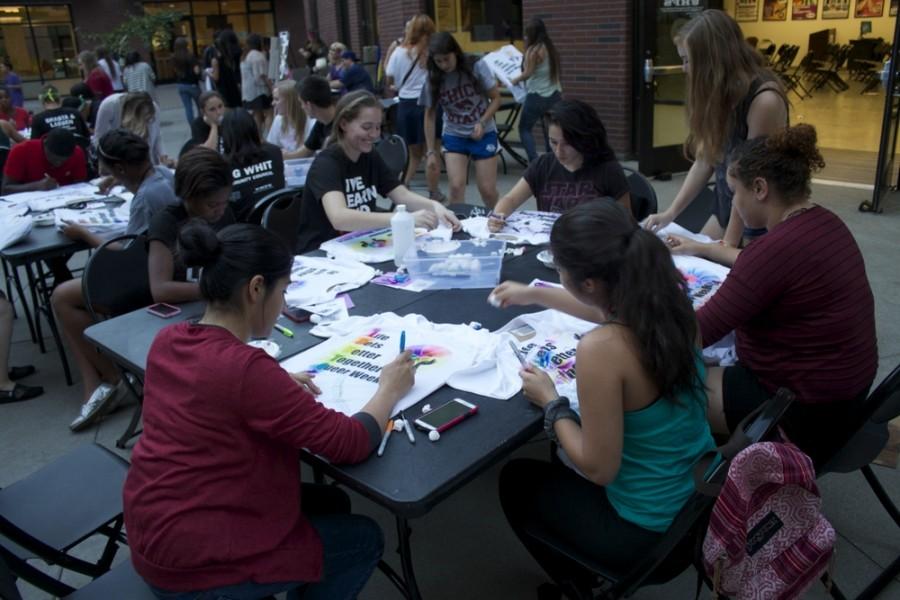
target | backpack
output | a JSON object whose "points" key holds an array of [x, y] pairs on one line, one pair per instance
{"points": [[767, 538]]}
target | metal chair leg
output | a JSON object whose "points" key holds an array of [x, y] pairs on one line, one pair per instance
{"points": [[881, 494]]}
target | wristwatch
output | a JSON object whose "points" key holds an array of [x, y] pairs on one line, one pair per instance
{"points": [[554, 411]]}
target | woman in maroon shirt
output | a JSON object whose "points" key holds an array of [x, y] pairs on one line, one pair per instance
{"points": [[797, 298], [213, 496], [95, 77]]}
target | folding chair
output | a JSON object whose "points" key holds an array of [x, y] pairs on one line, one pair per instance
{"points": [[677, 549], [256, 213], [864, 443], [56, 508], [643, 196], [283, 217], [511, 112], [116, 280], [394, 153]]}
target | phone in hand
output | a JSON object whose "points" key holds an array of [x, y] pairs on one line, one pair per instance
{"points": [[297, 315], [163, 310], [446, 415]]}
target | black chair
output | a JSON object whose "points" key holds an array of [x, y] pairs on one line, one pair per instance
{"points": [[864, 444], [116, 280], [677, 549], [394, 153], [643, 196], [121, 582], [256, 213], [56, 508], [283, 217], [510, 111]]}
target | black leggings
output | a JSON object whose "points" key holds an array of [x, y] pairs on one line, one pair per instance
{"points": [[562, 505]]}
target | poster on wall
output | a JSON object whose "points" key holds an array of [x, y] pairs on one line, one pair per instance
{"points": [[835, 9], [894, 5], [804, 10], [869, 8], [774, 10], [746, 10]]}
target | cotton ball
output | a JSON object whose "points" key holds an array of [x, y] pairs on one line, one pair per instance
{"points": [[315, 319], [426, 408], [434, 435], [399, 424], [494, 301]]}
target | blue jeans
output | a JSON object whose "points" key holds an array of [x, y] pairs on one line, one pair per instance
{"points": [[534, 108], [189, 94]]}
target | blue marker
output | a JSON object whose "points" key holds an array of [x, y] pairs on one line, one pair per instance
{"points": [[402, 341]]}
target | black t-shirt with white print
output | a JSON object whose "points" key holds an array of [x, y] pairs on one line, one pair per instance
{"points": [[254, 181], [361, 182]]}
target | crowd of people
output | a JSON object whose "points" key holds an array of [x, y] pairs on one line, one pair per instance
{"points": [[797, 296]]}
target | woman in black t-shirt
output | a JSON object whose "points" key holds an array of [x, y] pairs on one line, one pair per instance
{"points": [[581, 167], [205, 127], [346, 178], [226, 64], [55, 116], [203, 182], [257, 167]]}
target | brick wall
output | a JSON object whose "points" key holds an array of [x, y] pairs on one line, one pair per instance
{"points": [[289, 16], [594, 42], [328, 21], [392, 16]]}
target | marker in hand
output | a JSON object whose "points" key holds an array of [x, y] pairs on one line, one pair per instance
{"points": [[402, 341], [518, 354]]}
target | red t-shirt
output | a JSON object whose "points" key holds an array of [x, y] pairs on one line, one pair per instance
{"points": [[19, 116], [802, 310], [27, 162], [100, 84], [213, 494]]}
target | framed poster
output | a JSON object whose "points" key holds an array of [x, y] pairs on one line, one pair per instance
{"points": [[835, 9], [894, 5], [804, 10], [746, 10], [869, 8], [774, 10]]}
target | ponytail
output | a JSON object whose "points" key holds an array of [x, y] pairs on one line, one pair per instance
{"points": [[233, 257], [643, 289]]}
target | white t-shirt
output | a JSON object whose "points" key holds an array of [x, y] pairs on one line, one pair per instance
{"points": [[287, 140], [398, 66], [116, 80]]}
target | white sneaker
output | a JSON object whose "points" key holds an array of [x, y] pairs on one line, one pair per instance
{"points": [[95, 407]]}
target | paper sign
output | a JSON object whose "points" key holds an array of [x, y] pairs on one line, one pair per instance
{"points": [[506, 65]]}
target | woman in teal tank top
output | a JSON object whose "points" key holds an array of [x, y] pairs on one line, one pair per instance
{"points": [[642, 420]]}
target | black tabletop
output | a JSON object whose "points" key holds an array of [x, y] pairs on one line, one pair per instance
{"points": [[409, 479], [42, 242]]}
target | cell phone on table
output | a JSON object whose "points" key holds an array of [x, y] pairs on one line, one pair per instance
{"points": [[446, 415], [297, 315], [163, 310]]}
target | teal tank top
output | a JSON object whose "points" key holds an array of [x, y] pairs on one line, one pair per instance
{"points": [[540, 83], [660, 445]]}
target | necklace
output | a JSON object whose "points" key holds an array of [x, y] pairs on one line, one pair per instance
{"points": [[794, 213]]}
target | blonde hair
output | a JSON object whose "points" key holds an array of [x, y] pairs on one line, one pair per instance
{"points": [[137, 112], [292, 114], [722, 68], [418, 34], [348, 109], [88, 60]]}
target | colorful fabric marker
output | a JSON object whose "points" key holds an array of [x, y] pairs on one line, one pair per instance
{"points": [[402, 341], [284, 330], [387, 435]]}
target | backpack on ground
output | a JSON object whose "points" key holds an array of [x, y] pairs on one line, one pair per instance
{"points": [[767, 538]]}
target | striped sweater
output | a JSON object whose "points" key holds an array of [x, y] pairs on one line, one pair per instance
{"points": [[802, 310]]}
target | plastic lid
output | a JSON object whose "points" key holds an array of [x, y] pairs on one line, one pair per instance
{"points": [[401, 208]]}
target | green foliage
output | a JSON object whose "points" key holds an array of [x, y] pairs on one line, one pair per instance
{"points": [[150, 31]]}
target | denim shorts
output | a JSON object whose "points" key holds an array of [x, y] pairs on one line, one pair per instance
{"points": [[486, 147]]}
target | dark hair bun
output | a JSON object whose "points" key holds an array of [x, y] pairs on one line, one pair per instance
{"points": [[797, 143], [198, 244]]}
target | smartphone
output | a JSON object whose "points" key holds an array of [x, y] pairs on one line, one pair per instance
{"points": [[297, 315], [446, 415], [163, 310]]}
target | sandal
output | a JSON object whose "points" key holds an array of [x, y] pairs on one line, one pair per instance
{"points": [[16, 373], [20, 393]]}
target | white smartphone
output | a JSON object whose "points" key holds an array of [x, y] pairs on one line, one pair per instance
{"points": [[446, 415]]}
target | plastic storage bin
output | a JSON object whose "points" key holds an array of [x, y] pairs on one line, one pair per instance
{"points": [[456, 264]]}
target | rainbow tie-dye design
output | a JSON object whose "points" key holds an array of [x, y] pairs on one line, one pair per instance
{"points": [[701, 286]]}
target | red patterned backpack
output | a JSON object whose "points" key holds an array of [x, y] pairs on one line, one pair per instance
{"points": [[767, 538]]}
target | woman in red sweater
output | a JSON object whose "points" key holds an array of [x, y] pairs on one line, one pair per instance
{"points": [[95, 77], [213, 497], [797, 298]]}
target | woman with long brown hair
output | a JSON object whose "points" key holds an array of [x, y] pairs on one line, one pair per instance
{"points": [[541, 72], [731, 97], [407, 73]]}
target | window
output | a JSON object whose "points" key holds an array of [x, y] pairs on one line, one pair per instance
{"points": [[39, 41], [495, 20]]}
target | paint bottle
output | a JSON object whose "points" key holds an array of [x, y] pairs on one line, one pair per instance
{"points": [[403, 233]]}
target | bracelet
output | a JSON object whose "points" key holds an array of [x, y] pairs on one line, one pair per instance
{"points": [[429, 153], [553, 412], [496, 215]]}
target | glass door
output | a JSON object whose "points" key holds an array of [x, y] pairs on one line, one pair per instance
{"points": [[887, 148], [661, 123]]}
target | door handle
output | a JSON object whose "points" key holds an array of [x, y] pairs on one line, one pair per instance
{"points": [[650, 71]]}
